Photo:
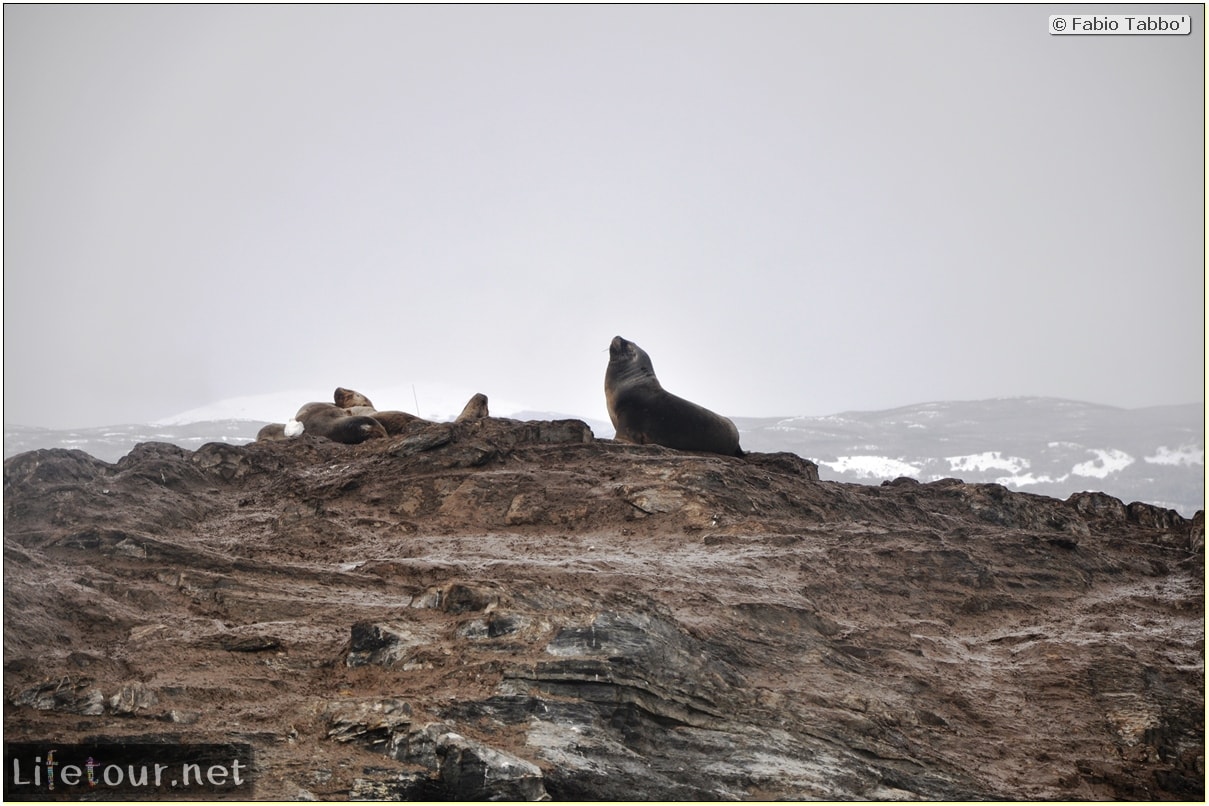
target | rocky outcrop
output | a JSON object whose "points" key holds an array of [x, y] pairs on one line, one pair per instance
{"points": [[497, 610]]}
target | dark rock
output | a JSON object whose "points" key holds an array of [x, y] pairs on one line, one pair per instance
{"points": [[70, 695], [784, 462], [1155, 517], [471, 770], [459, 598], [51, 468], [251, 643], [433, 436], [379, 644]]}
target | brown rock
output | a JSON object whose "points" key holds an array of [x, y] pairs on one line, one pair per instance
{"points": [[498, 609]]}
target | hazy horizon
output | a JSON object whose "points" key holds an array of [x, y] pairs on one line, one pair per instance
{"points": [[795, 210]]}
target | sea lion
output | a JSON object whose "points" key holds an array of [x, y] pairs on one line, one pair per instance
{"points": [[333, 422], [347, 398], [355, 403], [644, 412], [398, 422], [273, 432], [476, 409]]}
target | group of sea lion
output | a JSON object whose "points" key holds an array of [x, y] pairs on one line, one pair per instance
{"points": [[642, 411], [352, 419]]}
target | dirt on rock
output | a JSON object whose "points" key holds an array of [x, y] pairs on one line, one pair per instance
{"points": [[516, 610]]}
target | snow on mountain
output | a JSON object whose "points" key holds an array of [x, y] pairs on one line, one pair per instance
{"points": [[1106, 462], [987, 460], [1041, 445], [871, 467], [1183, 455], [274, 407], [437, 402]]}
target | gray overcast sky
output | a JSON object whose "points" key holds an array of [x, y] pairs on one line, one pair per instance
{"points": [[794, 209]]}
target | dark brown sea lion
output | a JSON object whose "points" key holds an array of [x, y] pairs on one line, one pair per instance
{"points": [[644, 412], [397, 422], [475, 409], [355, 403], [333, 422]]}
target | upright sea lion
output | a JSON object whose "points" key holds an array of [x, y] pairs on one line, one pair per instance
{"points": [[476, 409], [644, 412], [333, 422]]}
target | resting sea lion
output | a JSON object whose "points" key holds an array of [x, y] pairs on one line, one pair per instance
{"points": [[398, 422], [272, 432], [476, 409], [355, 403], [644, 412], [333, 422], [347, 398]]}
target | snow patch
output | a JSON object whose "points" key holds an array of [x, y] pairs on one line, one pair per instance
{"points": [[872, 467], [1106, 462], [1183, 455], [1025, 479], [990, 460]]}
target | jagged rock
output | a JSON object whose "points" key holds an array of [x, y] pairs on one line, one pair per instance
{"points": [[380, 644], [598, 620], [73, 696], [132, 698], [381, 726], [431, 437], [390, 785], [471, 770]]}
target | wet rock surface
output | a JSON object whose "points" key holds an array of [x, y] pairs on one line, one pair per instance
{"points": [[500, 610]]}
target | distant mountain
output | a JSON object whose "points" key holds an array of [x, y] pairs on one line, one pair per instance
{"points": [[1039, 445], [112, 442]]}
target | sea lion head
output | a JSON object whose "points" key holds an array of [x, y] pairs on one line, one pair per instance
{"points": [[347, 398], [627, 360], [475, 409], [272, 432]]}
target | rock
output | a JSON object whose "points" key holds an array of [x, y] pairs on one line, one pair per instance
{"points": [[502, 609], [132, 698], [72, 696], [380, 644], [472, 771], [250, 643], [433, 436], [379, 725]]}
